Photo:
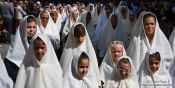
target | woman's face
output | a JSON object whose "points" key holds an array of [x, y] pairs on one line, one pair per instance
{"points": [[31, 29], [154, 64], [149, 26], [83, 67], [39, 49], [124, 70]]}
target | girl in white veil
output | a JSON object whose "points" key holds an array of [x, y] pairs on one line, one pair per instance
{"points": [[148, 37], [71, 20], [81, 73], [48, 27], [115, 51], [86, 18], [123, 75], [40, 67], [72, 46], [5, 80], [111, 31], [153, 73], [15, 54]]}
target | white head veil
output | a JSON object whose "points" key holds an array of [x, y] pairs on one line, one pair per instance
{"points": [[18, 48], [73, 80], [172, 40], [90, 27], [108, 63], [69, 22], [130, 82], [71, 48], [58, 21], [51, 30], [140, 44], [5, 80], [160, 79], [109, 34], [46, 73]]}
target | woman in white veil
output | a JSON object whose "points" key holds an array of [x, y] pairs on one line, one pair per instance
{"points": [[123, 75], [40, 67], [75, 79], [5, 80], [15, 54], [115, 51], [111, 31], [72, 46], [148, 37], [153, 73]]}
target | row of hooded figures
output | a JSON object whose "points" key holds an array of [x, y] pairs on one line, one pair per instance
{"points": [[32, 62]]}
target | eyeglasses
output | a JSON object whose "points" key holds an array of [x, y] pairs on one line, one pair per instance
{"points": [[45, 18]]}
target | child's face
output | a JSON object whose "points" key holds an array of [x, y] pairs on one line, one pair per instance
{"points": [[1, 21], [83, 67], [31, 29], [116, 51], [44, 18], [124, 70], [54, 17], [79, 39], [39, 49], [154, 64]]}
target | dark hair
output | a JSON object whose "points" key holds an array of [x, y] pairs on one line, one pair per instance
{"points": [[125, 61], [79, 31], [155, 55], [83, 56], [31, 19], [149, 15]]}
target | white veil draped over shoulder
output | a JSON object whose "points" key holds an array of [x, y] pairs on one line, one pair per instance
{"points": [[140, 44], [20, 44], [73, 80], [130, 82], [71, 48], [108, 64], [160, 79], [46, 73]]}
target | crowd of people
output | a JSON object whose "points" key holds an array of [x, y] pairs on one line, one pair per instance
{"points": [[120, 44]]}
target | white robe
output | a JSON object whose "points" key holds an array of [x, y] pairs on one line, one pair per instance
{"points": [[73, 80], [160, 79], [130, 82], [140, 44], [20, 44], [46, 73]]}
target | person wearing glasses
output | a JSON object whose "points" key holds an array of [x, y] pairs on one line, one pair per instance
{"points": [[123, 75]]}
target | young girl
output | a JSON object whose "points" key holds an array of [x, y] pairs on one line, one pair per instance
{"points": [[115, 51], [81, 74], [153, 73], [78, 39], [40, 67], [20, 44], [123, 75]]}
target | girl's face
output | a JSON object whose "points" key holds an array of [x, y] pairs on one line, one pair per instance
{"points": [[116, 51], [75, 15], [54, 17], [79, 39], [31, 29], [39, 49], [154, 64], [149, 26], [83, 67], [44, 18], [124, 70], [114, 21]]}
